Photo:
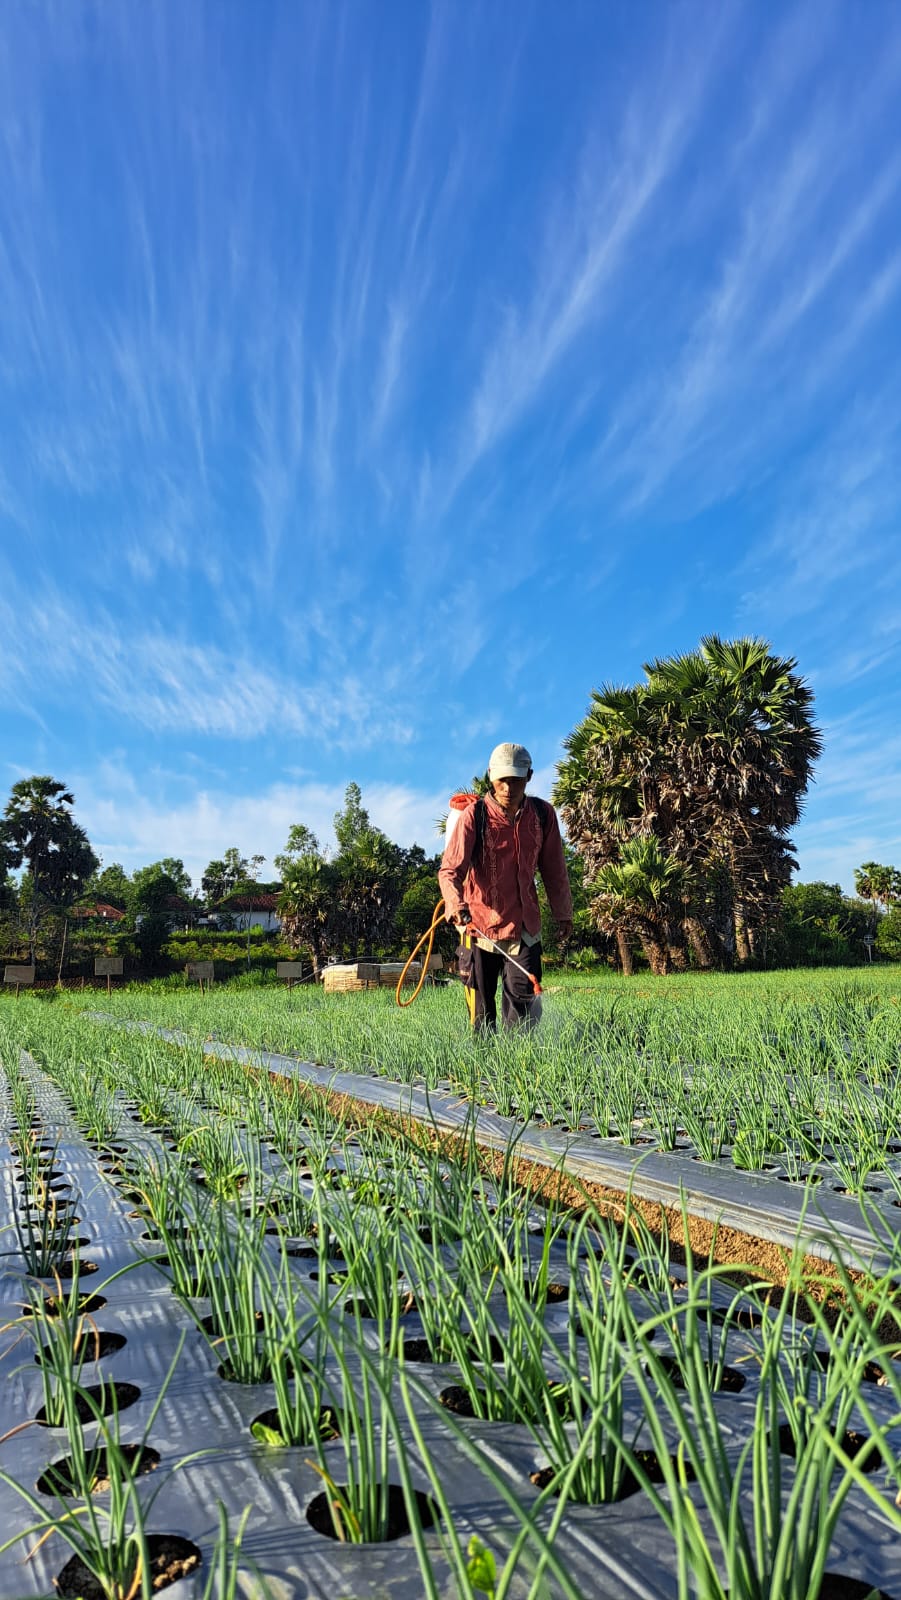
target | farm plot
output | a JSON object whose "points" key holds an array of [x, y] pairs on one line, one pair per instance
{"points": [[412, 1381], [791, 1072]]}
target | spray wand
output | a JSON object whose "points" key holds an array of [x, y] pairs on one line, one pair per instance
{"points": [[467, 923], [464, 923]]}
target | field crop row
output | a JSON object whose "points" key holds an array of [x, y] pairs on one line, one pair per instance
{"points": [[345, 1338]]}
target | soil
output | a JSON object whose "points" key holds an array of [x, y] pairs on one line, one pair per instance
{"points": [[87, 1305], [554, 1292], [457, 1399], [59, 1478], [226, 1372], [421, 1350], [629, 1485], [171, 1558], [319, 1513], [328, 1423], [68, 1269], [92, 1346], [364, 1309], [107, 1398], [731, 1380], [211, 1326], [859, 1446]]}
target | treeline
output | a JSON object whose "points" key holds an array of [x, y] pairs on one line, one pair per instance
{"points": [[368, 896], [678, 793]]}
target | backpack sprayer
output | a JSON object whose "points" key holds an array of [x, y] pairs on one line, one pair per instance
{"points": [[458, 804]]}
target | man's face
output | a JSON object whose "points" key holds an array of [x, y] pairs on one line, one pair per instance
{"points": [[509, 792]]}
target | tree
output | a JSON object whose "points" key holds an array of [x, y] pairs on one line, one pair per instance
{"points": [[876, 884], [370, 877], [888, 936], [110, 887], [643, 895], [154, 887], [302, 845], [38, 829], [233, 873], [346, 905], [818, 926], [308, 906], [352, 822], [175, 869], [711, 756]]}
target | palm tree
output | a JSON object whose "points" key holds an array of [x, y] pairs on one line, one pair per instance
{"points": [[643, 895], [876, 883], [38, 829], [307, 906], [711, 755]]}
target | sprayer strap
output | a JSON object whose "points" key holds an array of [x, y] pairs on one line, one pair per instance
{"points": [[541, 806]]}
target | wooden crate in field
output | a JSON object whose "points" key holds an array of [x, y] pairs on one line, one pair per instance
{"points": [[390, 971], [350, 975]]}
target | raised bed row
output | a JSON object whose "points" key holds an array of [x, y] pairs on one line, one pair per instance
{"points": [[543, 1289]]}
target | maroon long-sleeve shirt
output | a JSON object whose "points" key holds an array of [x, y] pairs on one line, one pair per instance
{"points": [[500, 891]]}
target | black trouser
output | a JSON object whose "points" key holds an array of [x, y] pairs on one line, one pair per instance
{"points": [[519, 1003]]}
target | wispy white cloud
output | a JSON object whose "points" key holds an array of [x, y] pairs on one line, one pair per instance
{"points": [[135, 822], [587, 237], [162, 683], [836, 522]]}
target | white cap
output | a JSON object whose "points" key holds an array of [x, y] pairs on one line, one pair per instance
{"points": [[509, 761]]}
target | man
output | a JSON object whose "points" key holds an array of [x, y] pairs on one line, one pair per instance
{"points": [[487, 878]]}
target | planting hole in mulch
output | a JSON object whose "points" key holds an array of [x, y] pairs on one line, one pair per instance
{"points": [[421, 1350], [629, 1484], [227, 1373], [171, 1558], [87, 1305], [747, 1317], [267, 1428], [590, 1327], [319, 1513], [859, 1446], [835, 1586], [553, 1292], [731, 1381], [46, 1176], [211, 1326], [362, 1308], [872, 1372], [92, 1346], [61, 1477], [107, 1397], [68, 1268], [459, 1400]]}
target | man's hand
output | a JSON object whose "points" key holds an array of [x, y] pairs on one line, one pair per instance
{"points": [[460, 917], [564, 931]]}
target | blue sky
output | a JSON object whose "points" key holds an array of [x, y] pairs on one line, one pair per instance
{"points": [[377, 379]]}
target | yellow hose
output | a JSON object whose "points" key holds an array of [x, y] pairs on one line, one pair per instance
{"points": [[437, 919]]}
